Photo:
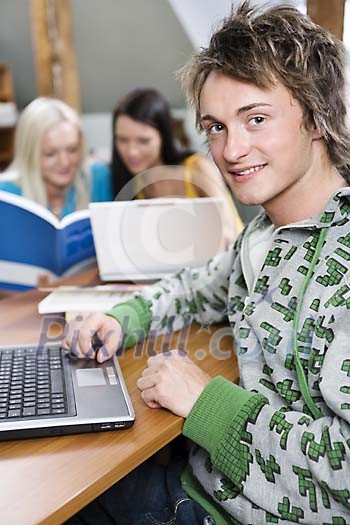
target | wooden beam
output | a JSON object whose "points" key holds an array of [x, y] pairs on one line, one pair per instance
{"points": [[54, 52], [328, 14]]}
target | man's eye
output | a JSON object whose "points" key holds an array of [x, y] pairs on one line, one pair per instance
{"points": [[256, 121], [215, 128]]}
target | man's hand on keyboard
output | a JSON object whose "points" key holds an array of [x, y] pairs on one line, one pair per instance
{"points": [[94, 336]]}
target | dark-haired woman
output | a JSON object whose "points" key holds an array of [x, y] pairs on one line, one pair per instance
{"points": [[147, 163]]}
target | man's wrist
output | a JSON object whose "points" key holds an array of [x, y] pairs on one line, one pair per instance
{"points": [[213, 412], [135, 318]]}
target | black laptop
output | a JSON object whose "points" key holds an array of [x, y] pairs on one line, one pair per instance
{"points": [[44, 391]]}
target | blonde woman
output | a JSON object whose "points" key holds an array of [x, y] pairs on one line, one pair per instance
{"points": [[49, 154]]}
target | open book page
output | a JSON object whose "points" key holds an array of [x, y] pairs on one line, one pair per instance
{"points": [[95, 299]]}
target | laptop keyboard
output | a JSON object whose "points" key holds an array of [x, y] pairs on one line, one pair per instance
{"points": [[32, 383]]}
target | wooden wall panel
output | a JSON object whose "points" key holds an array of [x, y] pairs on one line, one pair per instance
{"points": [[328, 14], [54, 51]]}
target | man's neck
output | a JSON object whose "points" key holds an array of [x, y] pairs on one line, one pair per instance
{"points": [[307, 198]]}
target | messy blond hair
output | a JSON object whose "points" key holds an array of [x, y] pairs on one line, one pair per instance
{"points": [[280, 44]]}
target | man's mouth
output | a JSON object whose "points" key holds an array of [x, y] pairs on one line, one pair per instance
{"points": [[247, 171]]}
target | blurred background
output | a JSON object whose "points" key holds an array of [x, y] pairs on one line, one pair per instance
{"points": [[92, 53]]}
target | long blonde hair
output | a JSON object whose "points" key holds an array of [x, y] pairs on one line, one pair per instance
{"points": [[40, 115]]}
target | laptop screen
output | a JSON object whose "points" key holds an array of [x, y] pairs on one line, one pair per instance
{"points": [[145, 239]]}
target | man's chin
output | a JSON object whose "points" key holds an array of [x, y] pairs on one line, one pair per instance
{"points": [[248, 200], [245, 197]]}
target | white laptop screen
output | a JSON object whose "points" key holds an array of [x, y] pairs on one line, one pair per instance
{"points": [[145, 239]]}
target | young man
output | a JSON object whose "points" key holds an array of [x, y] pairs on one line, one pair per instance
{"points": [[269, 95]]}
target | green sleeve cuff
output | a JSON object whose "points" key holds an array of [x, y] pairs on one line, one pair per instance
{"points": [[135, 318], [212, 415]]}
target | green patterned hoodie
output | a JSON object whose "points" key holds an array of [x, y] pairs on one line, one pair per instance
{"points": [[259, 455]]}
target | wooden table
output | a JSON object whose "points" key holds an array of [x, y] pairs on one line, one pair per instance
{"points": [[45, 481]]}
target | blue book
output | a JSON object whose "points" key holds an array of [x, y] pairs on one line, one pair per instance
{"points": [[36, 248]]}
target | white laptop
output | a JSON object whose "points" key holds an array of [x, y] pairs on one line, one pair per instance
{"points": [[143, 240]]}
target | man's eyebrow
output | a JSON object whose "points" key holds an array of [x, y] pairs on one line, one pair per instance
{"points": [[241, 110], [207, 117], [252, 106]]}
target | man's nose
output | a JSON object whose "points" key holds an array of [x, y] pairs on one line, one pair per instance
{"points": [[237, 146]]}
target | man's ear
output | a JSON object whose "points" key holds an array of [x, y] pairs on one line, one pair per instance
{"points": [[317, 133]]}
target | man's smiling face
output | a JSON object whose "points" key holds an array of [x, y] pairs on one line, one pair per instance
{"points": [[257, 138]]}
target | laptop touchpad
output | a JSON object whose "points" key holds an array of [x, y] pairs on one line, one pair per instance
{"points": [[91, 377]]}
